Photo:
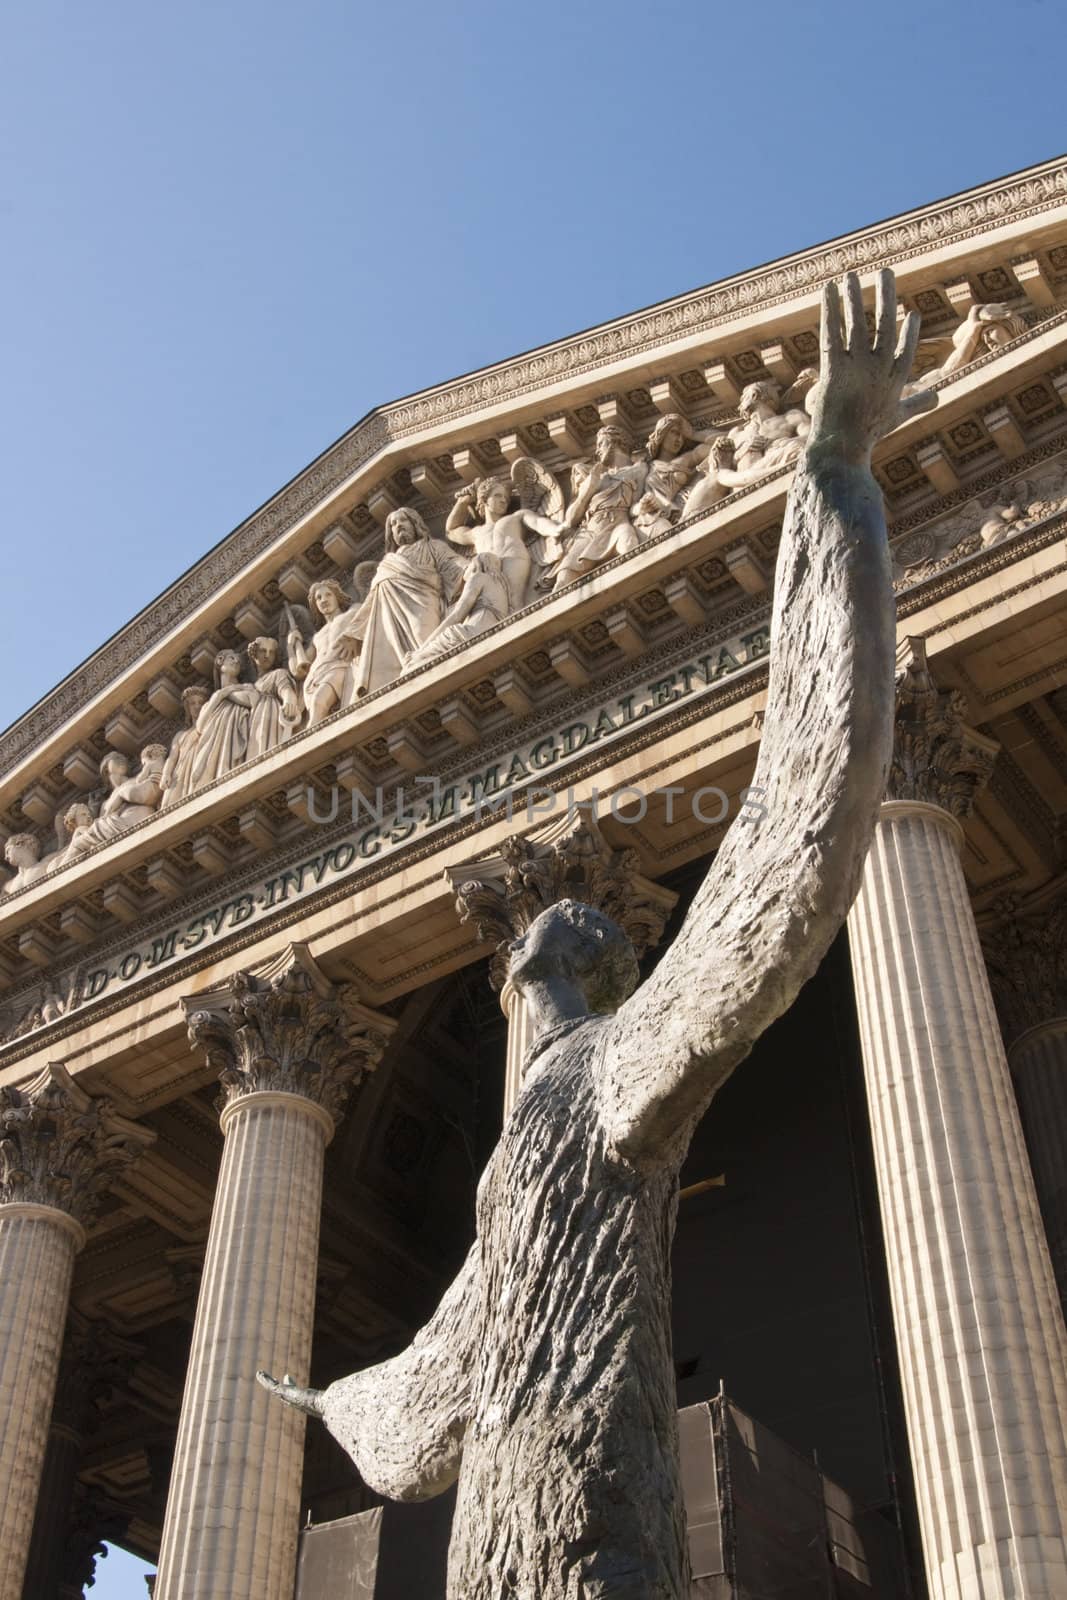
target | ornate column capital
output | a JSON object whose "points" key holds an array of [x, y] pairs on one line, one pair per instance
{"points": [[94, 1362], [502, 894], [287, 1028], [1025, 945], [62, 1148], [937, 758]]}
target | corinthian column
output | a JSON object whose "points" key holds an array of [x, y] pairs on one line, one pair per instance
{"points": [[981, 1342], [289, 1046], [569, 859], [59, 1150], [1026, 953]]}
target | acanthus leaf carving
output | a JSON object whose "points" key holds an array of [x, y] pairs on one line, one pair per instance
{"points": [[61, 1147], [937, 758], [1025, 949], [287, 1029]]}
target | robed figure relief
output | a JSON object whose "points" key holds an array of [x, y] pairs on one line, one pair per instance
{"points": [[411, 589], [544, 1382]]}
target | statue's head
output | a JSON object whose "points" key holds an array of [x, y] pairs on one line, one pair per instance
{"points": [[114, 768], [754, 395], [404, 526], [327, 599], [22, 850], [572, 941], [493, 496], [227, 668], [263, 653], [668, 437], [194, 699], [79, 815], [153, 759], [609, 439]]}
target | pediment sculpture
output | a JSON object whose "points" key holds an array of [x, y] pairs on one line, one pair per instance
{"points": [[508, 539], [132, 798]]}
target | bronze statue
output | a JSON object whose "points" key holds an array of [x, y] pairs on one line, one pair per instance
{"points": [[544, 1381]]}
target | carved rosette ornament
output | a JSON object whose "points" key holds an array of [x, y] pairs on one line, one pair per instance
{"points": [[937, 758], [61, 1147], [503, 894], [289, 1029]]}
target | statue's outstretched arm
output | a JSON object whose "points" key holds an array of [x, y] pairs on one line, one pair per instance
{"points": [[402, 1422], [779, 891]]}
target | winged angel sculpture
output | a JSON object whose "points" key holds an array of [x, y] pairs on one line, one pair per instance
{"points": [[544, 1381]]}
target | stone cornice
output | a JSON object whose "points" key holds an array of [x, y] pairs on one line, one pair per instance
{"points": [[674, 324]]}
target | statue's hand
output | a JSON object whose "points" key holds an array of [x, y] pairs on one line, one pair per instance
{"points": [[309, 1400], [859, 395]]}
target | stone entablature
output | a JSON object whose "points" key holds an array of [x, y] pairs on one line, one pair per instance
{"points": [[569, 555], [74, 962], [756, 334]]}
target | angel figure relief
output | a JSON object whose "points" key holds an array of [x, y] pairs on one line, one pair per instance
{"points": [[504, 532]]}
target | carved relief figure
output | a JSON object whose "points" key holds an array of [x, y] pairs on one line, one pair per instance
{"points": [[177, 779], [77, 817], [326, 668], [710, 486], [984, 328], [222, 726], [484, 600], [767, 437], [22, 852], [544, 1382], [605, 490], [131, 800], [502, 532], [277, 711], [1007, 513], [414, 582], [671, 469]]}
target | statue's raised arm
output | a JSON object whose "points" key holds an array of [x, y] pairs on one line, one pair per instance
{"points": [[779, 891]]}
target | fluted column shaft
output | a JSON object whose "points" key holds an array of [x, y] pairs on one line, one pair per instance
{"points": [[1038, 1061], [37, 1248], [59, 1475], [233, 1509], [59, 1150], [513, 1004], [981, 1342]]}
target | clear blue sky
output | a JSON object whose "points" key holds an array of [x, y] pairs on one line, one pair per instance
{"points": [[231, 229]]}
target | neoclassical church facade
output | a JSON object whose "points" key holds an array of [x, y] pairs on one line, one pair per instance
{"points": [[503, 643]]}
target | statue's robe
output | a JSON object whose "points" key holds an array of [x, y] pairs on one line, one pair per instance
{"points": [[545, 1379], [266, 725], [409, 592]]}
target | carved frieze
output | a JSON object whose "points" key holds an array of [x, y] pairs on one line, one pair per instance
{"points": [[60, 1147], [287, 1028], [700, 312], [983, 522]]}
